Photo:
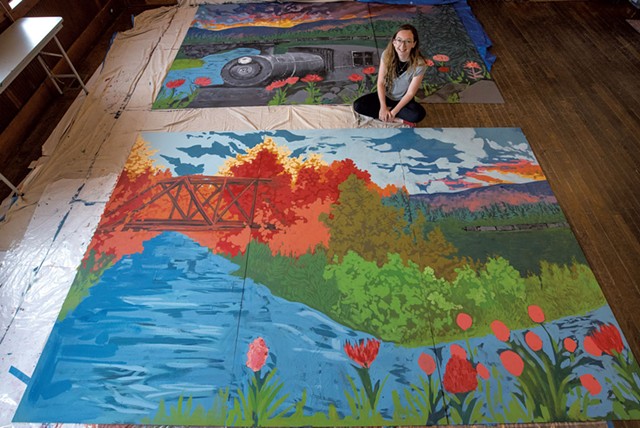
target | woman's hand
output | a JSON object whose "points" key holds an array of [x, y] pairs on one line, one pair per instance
{"points": [[385, 114]]}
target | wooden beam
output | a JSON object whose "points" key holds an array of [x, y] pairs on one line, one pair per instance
{"points": [[5, 12], [23, 8], [19, 127]]}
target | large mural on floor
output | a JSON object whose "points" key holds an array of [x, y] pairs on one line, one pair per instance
{"points": [[316, 53], [366, 277]]}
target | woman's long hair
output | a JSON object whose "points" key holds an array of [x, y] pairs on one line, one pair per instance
{"points": [[390, 57]]}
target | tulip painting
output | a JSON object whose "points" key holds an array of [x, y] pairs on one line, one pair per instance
{"points": [[464, 321], [483, 372], [459, 376], [428, 396], [591, 347], [500, 330], [544, 372], [570, 344], [460, 381], [536, 313], [512, 362], [427, 364], [591, 384], [257, 354], [605, 343], [533, 340], [260, 402], [607, 338], [364, 353]]}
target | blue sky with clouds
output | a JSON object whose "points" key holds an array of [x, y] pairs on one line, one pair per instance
{"points": [[423, 159]]}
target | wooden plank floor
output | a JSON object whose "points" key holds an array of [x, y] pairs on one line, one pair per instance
{"points": [[570, 75]]}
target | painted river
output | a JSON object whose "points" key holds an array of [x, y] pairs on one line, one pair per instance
{"points": [[174, 320]]}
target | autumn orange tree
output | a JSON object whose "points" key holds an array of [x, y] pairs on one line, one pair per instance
{"points": [[139, 173], [108, 245], [292, 185]]}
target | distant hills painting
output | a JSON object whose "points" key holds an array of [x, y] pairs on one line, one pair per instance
{"points": [[259, 54], [370, 277]]}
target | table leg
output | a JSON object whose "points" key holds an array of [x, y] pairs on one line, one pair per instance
{"points": [[8, 183], [51, 77], [73, 69]]}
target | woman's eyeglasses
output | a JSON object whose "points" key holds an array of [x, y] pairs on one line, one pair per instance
{"points": [[403, 42]]}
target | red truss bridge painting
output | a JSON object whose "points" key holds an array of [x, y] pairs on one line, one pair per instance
{"points": [[194, 202], [368, 277]]}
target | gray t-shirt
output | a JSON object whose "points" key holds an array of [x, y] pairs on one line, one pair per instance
{"points": [[402, 82]]}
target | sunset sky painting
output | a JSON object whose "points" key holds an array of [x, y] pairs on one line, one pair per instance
{"points": [[370, 277], [228, 16]]}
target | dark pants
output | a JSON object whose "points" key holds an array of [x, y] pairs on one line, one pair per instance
{"points": [[369, 105]]}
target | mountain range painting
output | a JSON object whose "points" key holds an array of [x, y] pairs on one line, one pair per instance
{"points": [[348, 277], [260, 54]]}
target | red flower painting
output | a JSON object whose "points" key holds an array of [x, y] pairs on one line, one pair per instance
{"points": [[427, 363], [483, 372], [458, 351], [591, 384], [257, 355], [460, 376], [500, 330], [569, 344], [464, 321], [590, 347], [608, 339], [292, 80], [536, 313], [202, 81], [441, 58], [363, 353], [533, 340], [175, 83], [311, 78], [276, 84], [512, 362]]}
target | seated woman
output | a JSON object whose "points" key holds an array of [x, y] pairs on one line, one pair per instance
{"points": [[401, 71]]}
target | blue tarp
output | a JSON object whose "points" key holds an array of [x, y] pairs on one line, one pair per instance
{"points": [[476, 32], [474, 28]]}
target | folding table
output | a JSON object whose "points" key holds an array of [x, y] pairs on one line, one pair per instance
{"points": [[24, 41]]}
